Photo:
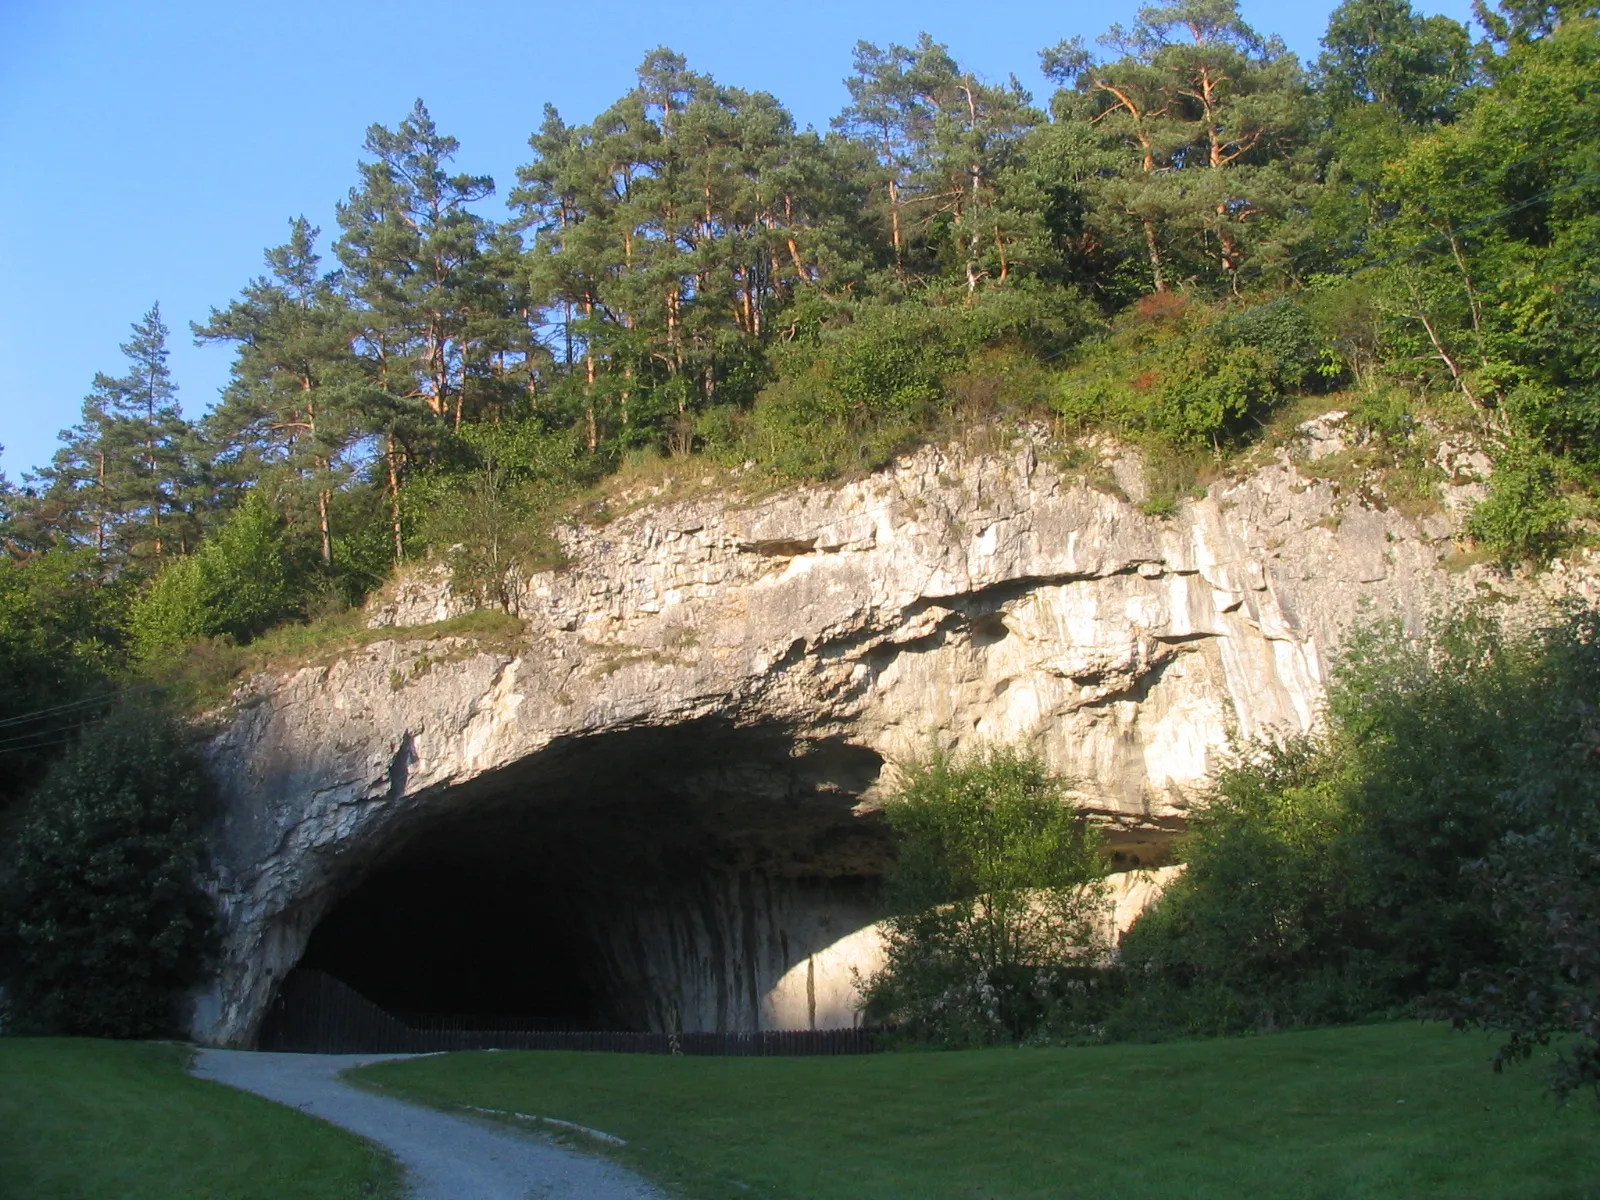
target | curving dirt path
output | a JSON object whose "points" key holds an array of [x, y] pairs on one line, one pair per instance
{"points": [[445, 1157]]}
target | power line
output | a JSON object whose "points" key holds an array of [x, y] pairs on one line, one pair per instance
{"points": [[40, 713], [21, 740], [39, 746]]}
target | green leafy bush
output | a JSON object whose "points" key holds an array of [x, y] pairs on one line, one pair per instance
{"points": [[1336, 876], [1543, 875], [1191, 375], [1524, 516], [102, 898], [62, 639], [1254, 934], [1283, 332], [489, 507], [873, 377], [995, 886], [236, 585]]}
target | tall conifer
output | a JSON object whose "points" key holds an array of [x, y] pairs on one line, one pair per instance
{"points": [[288, 408], [120, 479]]}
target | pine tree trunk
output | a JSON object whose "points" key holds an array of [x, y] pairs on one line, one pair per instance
{"points": [[1155, 254], [588, 363], [894, 222], [100, 517], [394, 502], [150, 459], [322, 522], [799, 263]]}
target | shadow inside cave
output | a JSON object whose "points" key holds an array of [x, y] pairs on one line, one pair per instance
{"points": [[656, 880]]}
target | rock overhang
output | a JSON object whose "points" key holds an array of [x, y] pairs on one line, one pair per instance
{"points": [[951, 600]]}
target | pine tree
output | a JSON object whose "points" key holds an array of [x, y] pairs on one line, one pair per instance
{"points": [[668, 236], [121, 480], [287, 410], [1213, 119], [942, 137], [410, 248], [412, 251]]}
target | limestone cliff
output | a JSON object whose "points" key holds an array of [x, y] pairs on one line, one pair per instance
{"points": [[749, 665]]}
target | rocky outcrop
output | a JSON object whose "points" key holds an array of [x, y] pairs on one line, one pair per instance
{"points": [[953, 599]]}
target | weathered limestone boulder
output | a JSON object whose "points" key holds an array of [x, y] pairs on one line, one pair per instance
{"points": [[809, 637]]}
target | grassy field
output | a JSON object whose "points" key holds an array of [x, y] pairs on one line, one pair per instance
{"points": [[1394, 1111], [92, 1120]]}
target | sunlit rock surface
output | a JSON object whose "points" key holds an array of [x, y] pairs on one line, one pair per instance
{"points": [[780, 651]]}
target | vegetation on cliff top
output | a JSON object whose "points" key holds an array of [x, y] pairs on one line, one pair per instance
{"points": [[1194, 229], [1194, 238]]}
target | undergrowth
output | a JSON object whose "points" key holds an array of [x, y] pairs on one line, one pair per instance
{"points": [[205, 674]]}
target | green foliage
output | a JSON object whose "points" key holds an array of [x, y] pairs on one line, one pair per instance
{"points": [[101, 894], [122, 481], [1488, 275], [237, 585], [1334, 877], [872, 378], [489, 509], [1543, 876], [1525, 515], [995, 885], [887, 363], [1190, 375], [1388, 414], [61, 641], [1285, 334], [1382, 53], [1252, 935]]}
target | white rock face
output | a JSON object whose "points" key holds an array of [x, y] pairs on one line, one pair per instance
{"points": [[951, 600]]}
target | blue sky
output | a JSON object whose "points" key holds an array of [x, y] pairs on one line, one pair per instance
{"points": [[154, 149]]}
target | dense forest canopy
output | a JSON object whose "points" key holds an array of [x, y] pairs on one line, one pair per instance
{"points": [[1194, 227]]}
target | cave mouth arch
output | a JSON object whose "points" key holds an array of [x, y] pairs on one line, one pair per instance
{"points": [[653, 879]]}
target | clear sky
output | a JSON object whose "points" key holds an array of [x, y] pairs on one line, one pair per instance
{"points": [[154, 149]]}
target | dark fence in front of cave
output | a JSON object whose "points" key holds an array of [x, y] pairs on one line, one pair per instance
{"points": [[314, 1013]]}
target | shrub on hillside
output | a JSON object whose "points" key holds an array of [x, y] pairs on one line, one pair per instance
{"points": [[872, 378], [1524, 516], [1192, 375], [237, 584], [994, 892], [488, 507], [101, 896]]}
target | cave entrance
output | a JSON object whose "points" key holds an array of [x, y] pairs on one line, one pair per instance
{"points": [[651, 880]]}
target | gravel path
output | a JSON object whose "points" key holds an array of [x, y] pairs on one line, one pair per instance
{"points": [[446, 1157]]}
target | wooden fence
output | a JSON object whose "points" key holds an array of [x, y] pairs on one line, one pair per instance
{"points": [[314, 1013]]}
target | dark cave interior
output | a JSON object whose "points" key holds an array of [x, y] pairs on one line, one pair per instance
{"points": [[631, 880]]}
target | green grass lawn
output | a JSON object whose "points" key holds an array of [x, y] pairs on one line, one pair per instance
{"points": [[1393, 1111], [93, 1120]]}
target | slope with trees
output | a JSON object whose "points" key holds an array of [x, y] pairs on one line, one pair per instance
{"points": [[1194, 233]]}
